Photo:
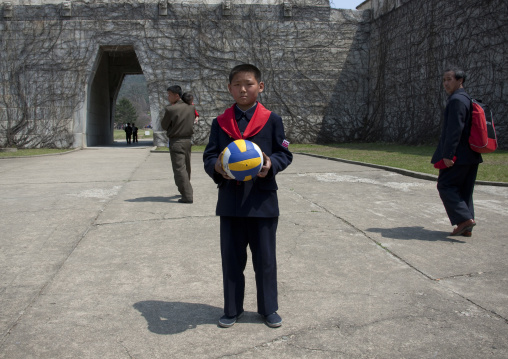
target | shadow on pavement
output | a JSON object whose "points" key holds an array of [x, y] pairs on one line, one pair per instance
{"points": [[140, 143], [176, 317], [155, 199], [416, 233]]}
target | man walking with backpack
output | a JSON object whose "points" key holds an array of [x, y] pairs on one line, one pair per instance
{"points": [[459, 163]]}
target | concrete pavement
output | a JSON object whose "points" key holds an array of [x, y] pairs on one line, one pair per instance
{"points": [[98, 260]]}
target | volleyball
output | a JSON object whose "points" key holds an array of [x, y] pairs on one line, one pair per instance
{"points": [[242, 160]]}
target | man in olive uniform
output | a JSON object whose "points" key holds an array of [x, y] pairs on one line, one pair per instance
{"points": [[178, 121]]}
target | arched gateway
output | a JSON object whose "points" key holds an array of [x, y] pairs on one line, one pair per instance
{"points": [[112, 64]]}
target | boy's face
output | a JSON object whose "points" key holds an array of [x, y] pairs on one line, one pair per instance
{"points": [[245, 89]]}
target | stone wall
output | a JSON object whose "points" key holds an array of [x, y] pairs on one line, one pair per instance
{"points": [[56, 62], [410, 47], [333, 75]]}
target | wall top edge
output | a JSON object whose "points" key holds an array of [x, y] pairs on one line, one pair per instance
{"points": [[204, 2], [323, 3]]}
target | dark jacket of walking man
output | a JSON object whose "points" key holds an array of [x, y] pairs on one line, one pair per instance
{"points": [[178, 121], [456, 180], [128, 133]]}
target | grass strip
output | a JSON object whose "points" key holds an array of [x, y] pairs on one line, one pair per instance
{"points": [[413, 158]]}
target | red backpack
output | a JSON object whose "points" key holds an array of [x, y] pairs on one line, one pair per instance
{"points": [[483, 134]]}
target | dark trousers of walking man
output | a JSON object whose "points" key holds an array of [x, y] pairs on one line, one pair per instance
{"points": [[180, 151]]}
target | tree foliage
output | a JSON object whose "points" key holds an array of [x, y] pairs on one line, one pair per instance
{"points": [[125, 112], [135, 90]]}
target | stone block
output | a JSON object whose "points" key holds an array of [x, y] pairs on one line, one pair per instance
{"points": [[163, 7], [8, 9], [67, 9]]}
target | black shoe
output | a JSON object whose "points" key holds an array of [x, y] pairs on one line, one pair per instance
{"points": [[181, 200], [227, 322], [273, 320]]}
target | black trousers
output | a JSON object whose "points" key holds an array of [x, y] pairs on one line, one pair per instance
{"points": [[259, 234], [455, 185]]}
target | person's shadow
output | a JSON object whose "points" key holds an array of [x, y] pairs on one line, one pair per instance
{"points": [[414, 233], [155, 199], [176, 317]]}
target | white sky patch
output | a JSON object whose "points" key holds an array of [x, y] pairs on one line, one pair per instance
{"points": [[334, 177]]}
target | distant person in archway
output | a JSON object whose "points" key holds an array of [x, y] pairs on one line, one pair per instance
{"points": [[128, 133], [134, 133], [178, 122]]}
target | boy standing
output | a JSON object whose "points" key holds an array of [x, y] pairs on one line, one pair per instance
{"points": [[248, 210]]}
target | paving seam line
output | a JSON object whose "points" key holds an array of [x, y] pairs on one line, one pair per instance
{"points": [[370, 238]]}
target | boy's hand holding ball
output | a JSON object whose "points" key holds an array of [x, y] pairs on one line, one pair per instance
{"points": [[218, 167], [267, 164]]}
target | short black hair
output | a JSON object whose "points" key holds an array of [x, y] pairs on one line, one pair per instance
{"points": [[176, 89], [245, 68], [458, 72], [187, 98]]}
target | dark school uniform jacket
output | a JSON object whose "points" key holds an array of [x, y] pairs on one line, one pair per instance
{"points": [[454, 140], [257, 197]]}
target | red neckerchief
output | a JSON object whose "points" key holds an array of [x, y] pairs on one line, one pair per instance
{"points": [[227, 122]]}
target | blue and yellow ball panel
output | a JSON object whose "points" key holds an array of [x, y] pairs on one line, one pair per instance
{"points": [[242, 160]]}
